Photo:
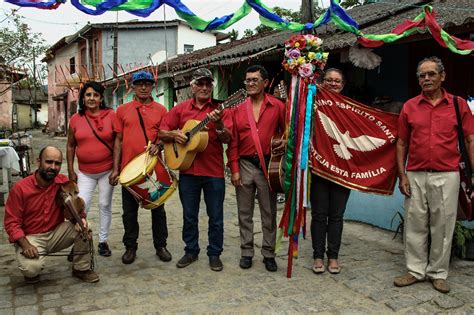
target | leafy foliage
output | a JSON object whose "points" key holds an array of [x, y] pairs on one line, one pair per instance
{"points": [[352, 3], [18, 44], [461, 236]]}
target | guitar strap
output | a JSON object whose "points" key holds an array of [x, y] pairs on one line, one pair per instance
{"points": [[96, 135], [462, 146], [256, 139]]}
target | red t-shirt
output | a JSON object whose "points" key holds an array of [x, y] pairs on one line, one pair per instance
{"points": [[210, 162], [271, 120], [92, 155], [431, 132], [127, 123], [31, 209]]}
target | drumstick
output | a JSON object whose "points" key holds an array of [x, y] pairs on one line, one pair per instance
{"points": [[146, 158]]}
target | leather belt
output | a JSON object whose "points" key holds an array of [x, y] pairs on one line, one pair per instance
{"points": [[429, 170], [255, 160]]}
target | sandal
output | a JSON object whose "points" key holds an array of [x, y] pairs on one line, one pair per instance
{"points": [[319, 269], [334, 270]]}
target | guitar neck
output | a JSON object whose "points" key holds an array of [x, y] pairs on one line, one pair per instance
{"points": [[203, 123]]}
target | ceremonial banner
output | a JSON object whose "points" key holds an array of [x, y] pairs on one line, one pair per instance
{"points": [[353, 144]]}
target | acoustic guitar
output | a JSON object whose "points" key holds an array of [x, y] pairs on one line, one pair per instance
{"points": [[276, 172], [181, 156]]}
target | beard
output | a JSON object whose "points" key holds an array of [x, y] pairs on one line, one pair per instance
{"points": [[47, 174]]}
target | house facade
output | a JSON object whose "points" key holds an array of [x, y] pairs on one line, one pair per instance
{"points": [[386, 87], [105, 51]]}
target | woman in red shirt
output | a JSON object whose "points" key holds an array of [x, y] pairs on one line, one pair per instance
{"points": [[91, 139]]}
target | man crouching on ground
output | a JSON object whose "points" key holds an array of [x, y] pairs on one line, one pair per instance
{"points": [[35, 222]]}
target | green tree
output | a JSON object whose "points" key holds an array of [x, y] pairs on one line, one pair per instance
{"points": [[352, 3], [234, 34], [248, 32], [19, 46], [287, 14]]}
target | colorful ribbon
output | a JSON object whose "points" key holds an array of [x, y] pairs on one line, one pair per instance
{"points": [[334, 13]]}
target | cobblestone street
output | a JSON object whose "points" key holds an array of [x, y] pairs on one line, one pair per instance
{"points": [[369, 257]]}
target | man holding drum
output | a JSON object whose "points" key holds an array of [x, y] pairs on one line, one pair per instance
{"points": [[137, 123], [206, 172]]}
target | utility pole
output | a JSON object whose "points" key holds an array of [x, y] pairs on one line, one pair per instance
{"points": [[115, 57], [35, 124], [307, 11]]}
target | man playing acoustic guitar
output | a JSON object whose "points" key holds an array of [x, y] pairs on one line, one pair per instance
{"points": [[255, 123], [206, 172], [35, 222]]}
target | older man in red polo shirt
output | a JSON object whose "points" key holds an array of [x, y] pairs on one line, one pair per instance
{"points": [[137, 123], [268, 114], [35, 223], [430, 180], [206, 172]]}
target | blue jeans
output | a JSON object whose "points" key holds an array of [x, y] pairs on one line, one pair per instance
{"points": [[190, 187]]}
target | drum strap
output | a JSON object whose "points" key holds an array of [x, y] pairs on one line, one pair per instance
{"points": [[97, 136], [142, 123]]}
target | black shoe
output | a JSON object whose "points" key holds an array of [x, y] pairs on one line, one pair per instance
{"points": [[129, 256], [70, 256], [215, 263], [104, 249], [32, 280], [164, 254], [270, 264], [245, 262], [186, 260]]}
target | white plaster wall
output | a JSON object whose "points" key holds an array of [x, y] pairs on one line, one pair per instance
{"points": [[188, 36], [43, 114], [5, 105]]}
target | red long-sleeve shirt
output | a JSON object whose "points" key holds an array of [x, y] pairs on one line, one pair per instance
{"points": [[271, 120], [32, 209]]}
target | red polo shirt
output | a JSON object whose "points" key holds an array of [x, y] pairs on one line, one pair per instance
{"points": [[93, 156], [431, 132], [210, 162], [32, 209], [127, 123], [271, 120]]}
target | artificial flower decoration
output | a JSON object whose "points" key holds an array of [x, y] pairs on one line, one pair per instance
{"points": [[304, 56]]}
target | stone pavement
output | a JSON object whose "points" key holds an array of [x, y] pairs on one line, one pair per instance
{"points": [[370, 260]]}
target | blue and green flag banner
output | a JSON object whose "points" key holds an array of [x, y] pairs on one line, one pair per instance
{"points": [[334, 13]]}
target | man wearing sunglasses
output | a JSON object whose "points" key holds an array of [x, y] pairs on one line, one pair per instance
{"points": [[206, 172], [428, 140]]}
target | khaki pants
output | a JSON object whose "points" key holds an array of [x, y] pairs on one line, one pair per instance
{"points": [[431, 210], [63, 236], [254, 179]]}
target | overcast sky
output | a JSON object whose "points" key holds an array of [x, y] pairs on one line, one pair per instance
{"points": [[66, 20]]}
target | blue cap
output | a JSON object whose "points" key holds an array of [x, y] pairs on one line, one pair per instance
{"points": [[142, 76]]}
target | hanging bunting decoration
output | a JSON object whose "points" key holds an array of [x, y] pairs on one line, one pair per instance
{"points": [[334, 13], [304, 60]]}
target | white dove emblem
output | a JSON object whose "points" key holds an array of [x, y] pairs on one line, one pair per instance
{"points": [[151, 184], [345, 142]]}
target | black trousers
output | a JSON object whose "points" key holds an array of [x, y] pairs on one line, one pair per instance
{"points": [[328, 203], [131, 227]]}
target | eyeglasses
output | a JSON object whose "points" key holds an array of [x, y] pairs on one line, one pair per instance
{"points": [[252, 81], [337, 81], [430, 74]]}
